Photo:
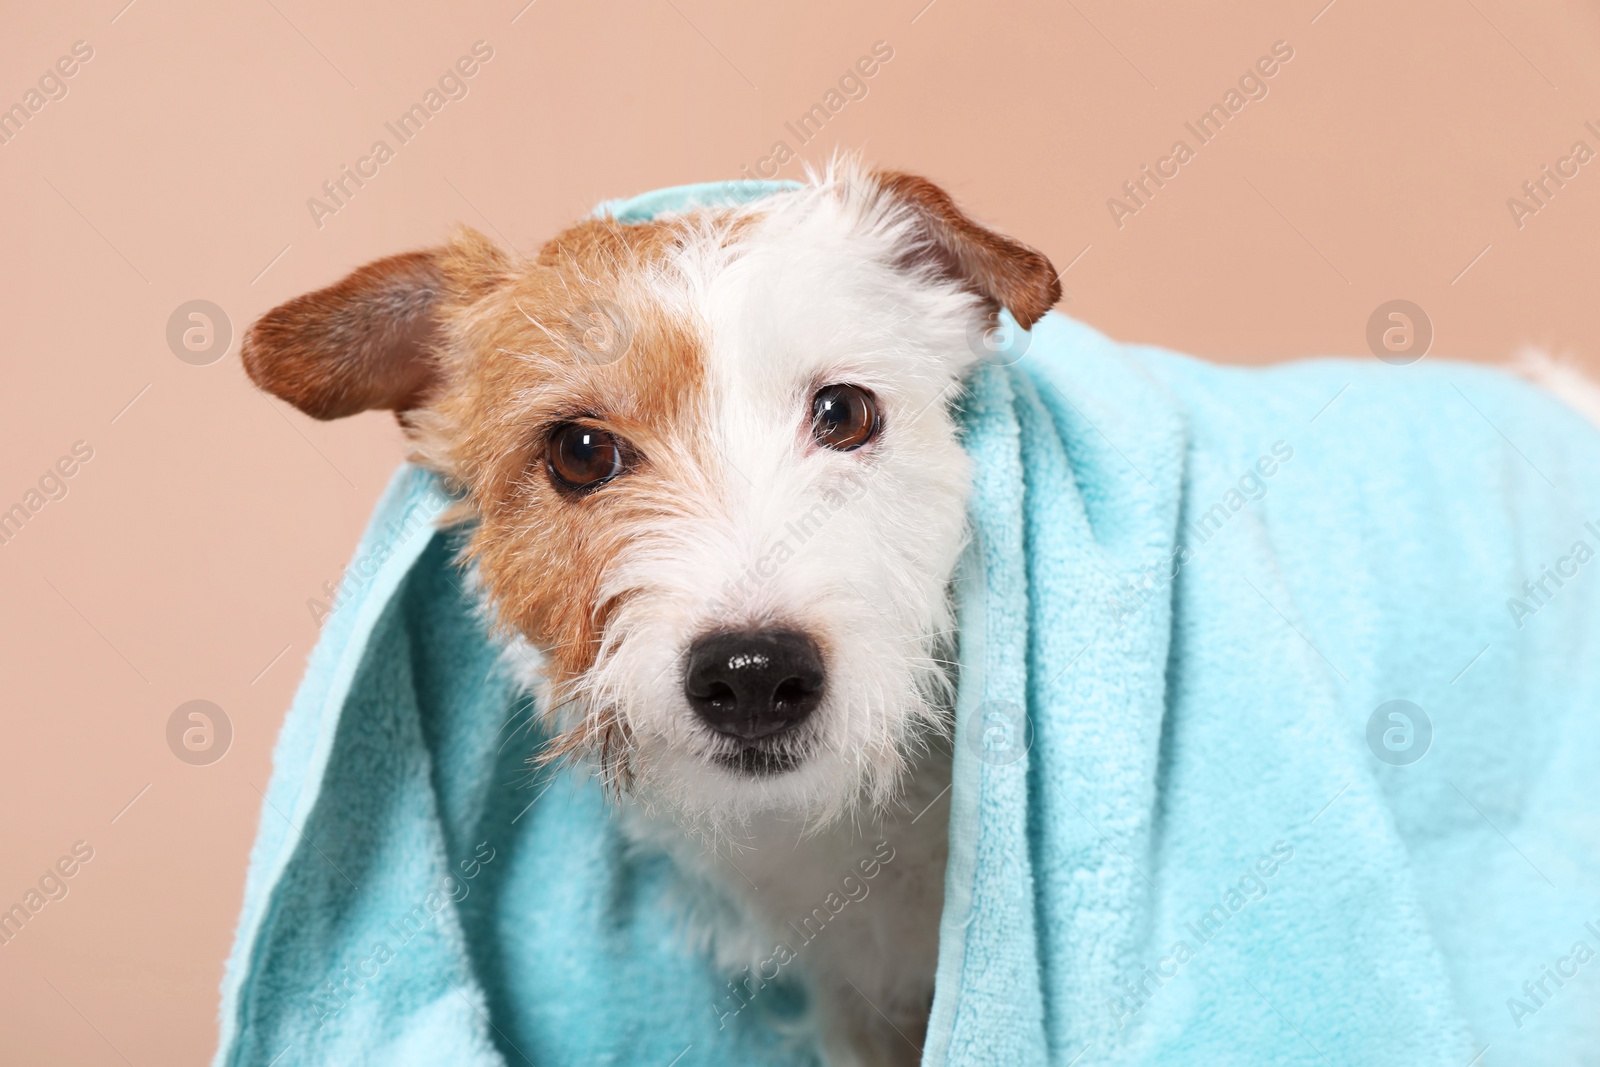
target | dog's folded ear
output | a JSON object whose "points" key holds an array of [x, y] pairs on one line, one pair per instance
{"points": [[1006, 272], [371, 340]]}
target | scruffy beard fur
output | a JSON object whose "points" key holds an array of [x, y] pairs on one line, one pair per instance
{"points": [[699, 340]]}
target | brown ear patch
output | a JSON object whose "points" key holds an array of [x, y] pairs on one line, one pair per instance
{"points": [[365, 342], [1007, 272]]}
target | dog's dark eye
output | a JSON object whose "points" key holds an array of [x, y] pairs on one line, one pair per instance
{"points": [[843, 417], [582, 457]]}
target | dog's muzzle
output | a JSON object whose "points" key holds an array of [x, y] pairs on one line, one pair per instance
{"points": [[753, 685]]}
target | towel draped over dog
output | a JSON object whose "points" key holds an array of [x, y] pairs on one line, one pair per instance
{"points": [[1278, 740]]}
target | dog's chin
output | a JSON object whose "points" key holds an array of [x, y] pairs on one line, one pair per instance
{"points": [[759, 760], [762, 759], [721, 783]]}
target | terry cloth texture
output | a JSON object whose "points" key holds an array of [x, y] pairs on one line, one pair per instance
{"points": [[1277, 744]]}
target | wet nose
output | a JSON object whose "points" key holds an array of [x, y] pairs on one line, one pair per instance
{"points": [[752, 684]]}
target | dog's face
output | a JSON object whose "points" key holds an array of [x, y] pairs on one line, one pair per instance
{"points": [[711, 465]]}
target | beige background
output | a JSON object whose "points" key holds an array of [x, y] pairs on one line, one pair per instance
{"points": [[178, 167]]}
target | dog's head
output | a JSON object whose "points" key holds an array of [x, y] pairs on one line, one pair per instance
{"points": [[711, 464]]}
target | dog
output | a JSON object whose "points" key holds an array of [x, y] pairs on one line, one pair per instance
{"points": [[715, 496]]}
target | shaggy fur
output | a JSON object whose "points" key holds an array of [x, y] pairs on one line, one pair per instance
{"points": [[699, 341]]}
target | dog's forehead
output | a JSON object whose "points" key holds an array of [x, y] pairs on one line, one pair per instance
{"points": [[589, 330], [694, 306], [804, 290]]}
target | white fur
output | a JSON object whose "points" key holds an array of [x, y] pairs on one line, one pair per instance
{"points": [[855, 549]]}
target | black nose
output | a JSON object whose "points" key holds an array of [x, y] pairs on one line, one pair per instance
{"points": [[753, 684]]}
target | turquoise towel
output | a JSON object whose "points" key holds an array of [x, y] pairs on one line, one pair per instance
{"points": [[1277, 741]]}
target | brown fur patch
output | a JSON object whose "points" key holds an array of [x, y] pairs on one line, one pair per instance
{"points": [[1006, 271], [475, 350], [363, 343], [512, 374]]}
